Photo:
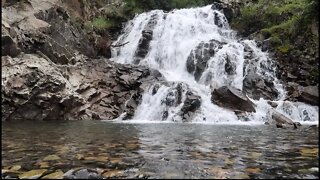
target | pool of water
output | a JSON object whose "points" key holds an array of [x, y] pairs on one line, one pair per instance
{"points": [[168, 150]]}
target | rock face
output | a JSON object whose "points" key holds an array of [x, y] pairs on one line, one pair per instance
{"points": [[49, 71], [232, 98], [37, 89], [229, 8], [190, 105], [199, 57], [178, 98], [308, 94], [144, 42], [256, 85]]}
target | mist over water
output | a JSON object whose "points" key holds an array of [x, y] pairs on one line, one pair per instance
{"points": [[181, 34]]}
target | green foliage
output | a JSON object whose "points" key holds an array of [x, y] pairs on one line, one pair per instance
{"points": [[137, 6], [284, 48], [99, 23], [282, 20]]}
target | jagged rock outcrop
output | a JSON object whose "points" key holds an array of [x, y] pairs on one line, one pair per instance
{"points": [[35, 88], [232, 98], [308, 94], [49, 71], [230, 8], [178, 99], [144, 42], [198, 58], [256, 84], [190, 105]]}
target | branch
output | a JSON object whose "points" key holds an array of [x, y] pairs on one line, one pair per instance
{"points": [[120, 44]]}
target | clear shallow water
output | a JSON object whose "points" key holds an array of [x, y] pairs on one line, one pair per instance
{"points": [[164, 150]]}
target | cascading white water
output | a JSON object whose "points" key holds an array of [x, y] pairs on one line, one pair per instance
{"points": [[186, 33]]}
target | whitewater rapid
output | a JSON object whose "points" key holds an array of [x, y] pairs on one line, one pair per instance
{"points": [[174, 36]]}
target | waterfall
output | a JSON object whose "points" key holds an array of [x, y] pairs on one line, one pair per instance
{"points": [[196, 50]]}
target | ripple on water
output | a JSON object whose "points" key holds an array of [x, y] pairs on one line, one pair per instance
{"points": [[160, 150]]}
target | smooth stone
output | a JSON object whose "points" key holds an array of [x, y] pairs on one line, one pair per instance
{"points": [[33, 174], [314, 169], [51, 158], [113, 173], [56, 175], [15, 168], [253, 170], [43, 164], [80, 156]]}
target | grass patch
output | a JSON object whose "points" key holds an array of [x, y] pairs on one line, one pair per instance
{"points": [[99, 23]]}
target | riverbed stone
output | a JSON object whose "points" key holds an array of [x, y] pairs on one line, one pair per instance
{"points": [[56, 175], [33, 174], [51, 158]]}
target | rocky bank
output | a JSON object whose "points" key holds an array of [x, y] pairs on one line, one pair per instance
{"points": [[53, 69]]}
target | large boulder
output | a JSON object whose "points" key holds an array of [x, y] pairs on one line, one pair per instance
{"points": [[232, 98], [198, 58], [281, 120], [178, 101], [307, 94], [190, 105]]}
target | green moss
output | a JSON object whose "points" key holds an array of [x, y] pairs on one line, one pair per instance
{"points": [[99, 23], [284, 48]]}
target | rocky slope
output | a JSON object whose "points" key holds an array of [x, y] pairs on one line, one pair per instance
{"points": [[51, 68]]}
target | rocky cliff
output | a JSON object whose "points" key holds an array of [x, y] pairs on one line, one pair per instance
{"points": [[53, 69]]}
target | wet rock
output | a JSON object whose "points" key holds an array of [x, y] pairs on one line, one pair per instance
{"points": [[282, 120], [144, 42], [273, 104], [82, 174], [113, 173], [199, 57], [51, 158], [39, 90], [33, 174], [257, 85], [229, 9], [230, 67], [232, 98], [9, 47], [56, 175], [308, 94], [192, 102]]}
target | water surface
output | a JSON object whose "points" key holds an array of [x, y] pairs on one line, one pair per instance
{"points": [[164, 150]]}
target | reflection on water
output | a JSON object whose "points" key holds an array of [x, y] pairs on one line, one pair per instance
{"points": [[163, 150]]}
